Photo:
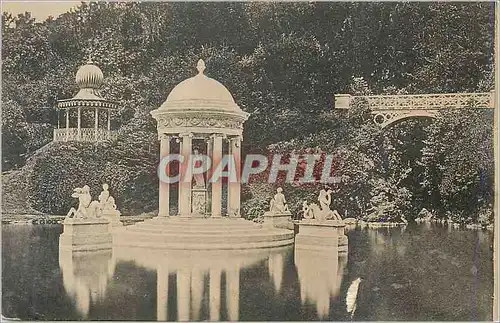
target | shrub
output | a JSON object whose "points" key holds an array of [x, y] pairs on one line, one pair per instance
{"points": [[57, 170]]}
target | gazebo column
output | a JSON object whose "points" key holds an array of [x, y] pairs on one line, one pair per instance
{"points": [[67, 124], [216, 186], [96, 124], [185, 183], [108, 134], [164, 189], [234, 188], [79, 124], [109, 120]]}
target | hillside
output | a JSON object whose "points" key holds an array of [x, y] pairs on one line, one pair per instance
{"points": [[14, 193]]}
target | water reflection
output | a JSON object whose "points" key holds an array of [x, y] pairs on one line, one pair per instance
{"points": [[320, 277], [417, 273], [85, 276], [275, 267], [202, 275], [201, 285]]}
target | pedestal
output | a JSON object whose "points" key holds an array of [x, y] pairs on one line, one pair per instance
{"points": [[281, 220], [326, 235], [86, 235], [199, 202], [113, 216]]}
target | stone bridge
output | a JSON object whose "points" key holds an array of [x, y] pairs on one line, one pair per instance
{"points": [[388, 109]]}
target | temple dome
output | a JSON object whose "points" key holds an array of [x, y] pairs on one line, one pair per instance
{"points": [[200, 92], [89, 76]]}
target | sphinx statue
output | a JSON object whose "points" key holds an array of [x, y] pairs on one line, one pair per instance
{"points": [[87, 209]]}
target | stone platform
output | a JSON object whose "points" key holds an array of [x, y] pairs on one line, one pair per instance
{"points": [[177, 233], [278, 220], [86, 235], [113, 216], [316, 235]]}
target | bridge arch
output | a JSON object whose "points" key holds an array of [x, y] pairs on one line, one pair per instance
{"points": [[386, 118]]}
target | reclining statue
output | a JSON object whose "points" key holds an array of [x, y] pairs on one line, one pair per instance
{"points": [[87, 209], [313, 211]]}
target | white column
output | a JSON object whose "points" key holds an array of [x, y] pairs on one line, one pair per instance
{"points": [[109, 120], [234, 188], [96, 123], [161, 294], [164, 189], [56, 131], [216, 186], [179, 141], [214, 295], [209, 174], [183, 294], [185, 184], [233, 293], [67, 124], [79, 123]]}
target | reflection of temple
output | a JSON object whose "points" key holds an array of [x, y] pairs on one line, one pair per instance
{"points": [[199, 275], [276, 266], [320, 276], [85, 276]]}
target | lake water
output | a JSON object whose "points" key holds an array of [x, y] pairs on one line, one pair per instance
{"points": [[420, 272]]}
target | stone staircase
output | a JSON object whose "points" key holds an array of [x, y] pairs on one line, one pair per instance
{"points": [[201, 234]]}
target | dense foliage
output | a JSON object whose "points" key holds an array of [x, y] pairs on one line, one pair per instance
{"points": [[283, 62]]}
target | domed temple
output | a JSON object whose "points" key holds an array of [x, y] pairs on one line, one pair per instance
{"points": [[200, 116], [201, 112], [86, 116]]}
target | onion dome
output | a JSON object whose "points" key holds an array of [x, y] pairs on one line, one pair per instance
{"points": [[89, 79], [89, 76]]}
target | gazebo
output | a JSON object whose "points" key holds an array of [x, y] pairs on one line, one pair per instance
{"points": [[200, 112], [87, 116]]}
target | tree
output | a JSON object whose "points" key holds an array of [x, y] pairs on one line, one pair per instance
{"points": [[459, 182], [283, 63]]}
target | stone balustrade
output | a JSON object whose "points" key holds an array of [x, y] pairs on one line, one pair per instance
{"points": [[84, 134]]}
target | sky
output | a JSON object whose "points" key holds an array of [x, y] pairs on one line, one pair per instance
{"points": [[40, 10]]}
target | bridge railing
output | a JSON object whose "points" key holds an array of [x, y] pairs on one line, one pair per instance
{"points": [[420, 101]]}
